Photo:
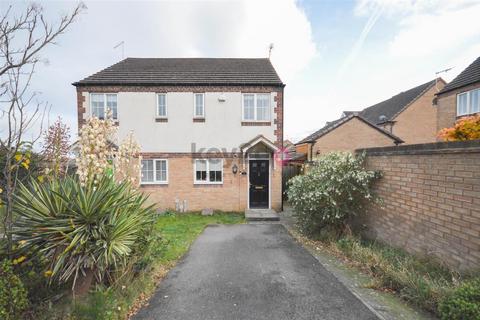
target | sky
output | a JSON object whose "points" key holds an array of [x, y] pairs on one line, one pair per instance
{"points": [[332, 55]]}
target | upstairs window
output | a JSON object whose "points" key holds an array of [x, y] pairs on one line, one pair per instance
{"points": [[208, 171], [101, 102], [161, 105], [468, 102], [154, 171], [256, 107], [199, 105]]}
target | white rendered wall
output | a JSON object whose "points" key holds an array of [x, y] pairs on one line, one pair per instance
{"points": [[222, 128]]}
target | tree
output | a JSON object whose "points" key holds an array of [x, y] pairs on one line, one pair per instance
{"points": [[56, 147], [22, 39], [466, 128]]}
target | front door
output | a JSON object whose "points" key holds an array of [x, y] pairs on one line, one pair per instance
{"points": [[259, 188]]}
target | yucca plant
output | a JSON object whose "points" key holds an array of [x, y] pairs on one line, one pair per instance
{"points": [[85, 231]]}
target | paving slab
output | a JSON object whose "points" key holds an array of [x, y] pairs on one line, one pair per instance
{"points": [[253, 271]]}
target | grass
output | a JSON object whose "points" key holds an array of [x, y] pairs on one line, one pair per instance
{"points": [[172, 237], [421, 281]]}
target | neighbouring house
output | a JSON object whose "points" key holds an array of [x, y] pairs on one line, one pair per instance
{"points": [[408, 117], [460, 97], [209, 128]]}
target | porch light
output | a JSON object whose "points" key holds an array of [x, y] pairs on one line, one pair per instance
{"points": [[234, 169]]}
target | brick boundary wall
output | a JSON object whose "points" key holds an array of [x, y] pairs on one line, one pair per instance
{"points": [[431, 201]]}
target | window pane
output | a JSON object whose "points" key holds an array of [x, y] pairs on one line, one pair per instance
{"points": [[147, 171], [112, 104], [215, 170], [162, 105], [462, 104], [161, 170], [263, 107], [97, 105], [201, 170], [199, 105], [475, 101], [248, 107]]}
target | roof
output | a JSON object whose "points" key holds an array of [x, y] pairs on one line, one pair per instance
{"points": [[468, 76], [186, 71], [390, 108], [379, 113], [335, 124]]}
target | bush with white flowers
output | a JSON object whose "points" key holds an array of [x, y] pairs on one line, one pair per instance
{"points": [[334, 187]]}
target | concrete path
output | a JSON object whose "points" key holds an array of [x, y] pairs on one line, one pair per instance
{"points": [[251, 272]]}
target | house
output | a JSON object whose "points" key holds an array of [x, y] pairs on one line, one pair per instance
{"points": [[460, 97], [408, 117], [209, 128]]}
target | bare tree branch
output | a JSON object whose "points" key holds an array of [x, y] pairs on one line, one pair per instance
{"points": [[22, 39]]}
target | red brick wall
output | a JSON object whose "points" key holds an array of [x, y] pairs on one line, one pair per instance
{"points": [[431, 201], [229, 196], [447, 106]]}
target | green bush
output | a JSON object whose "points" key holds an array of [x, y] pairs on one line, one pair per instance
{"points": [[334, 188], [82, 229], [463, 303], [13, 296]]}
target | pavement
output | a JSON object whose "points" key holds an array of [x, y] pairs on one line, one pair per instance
{"points": [[252, 271]]}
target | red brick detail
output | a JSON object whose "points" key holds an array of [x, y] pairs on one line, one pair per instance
{"points": [[198, 119], [256, 123], [193, 155], [80, 108], [161, 119]]}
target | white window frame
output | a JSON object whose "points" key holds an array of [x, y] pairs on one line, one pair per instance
{"points": [[154, 172], [255, 116], [157, 115], [104, 94], [195, 105], [195, 181], [469, 107]]}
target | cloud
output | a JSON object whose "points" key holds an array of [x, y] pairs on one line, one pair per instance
{"points": [[169, 29], [427, 27], [377, 10]]}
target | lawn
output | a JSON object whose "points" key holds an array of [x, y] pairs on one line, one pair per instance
{"points": [[173, 234]]}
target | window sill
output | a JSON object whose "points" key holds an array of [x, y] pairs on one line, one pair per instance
{"points": [[146, 184], [158, 119], [468, 115], [199, 183], [256, 123], [198, 119]]}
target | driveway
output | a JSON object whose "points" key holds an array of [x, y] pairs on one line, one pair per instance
{"points": [[252, 271]]}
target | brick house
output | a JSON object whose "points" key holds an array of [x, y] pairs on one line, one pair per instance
{"points": [[209, 128], [408, 117], [460, 97]]}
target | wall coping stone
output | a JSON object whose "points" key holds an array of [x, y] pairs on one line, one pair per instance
{"points": [[472, 146]]}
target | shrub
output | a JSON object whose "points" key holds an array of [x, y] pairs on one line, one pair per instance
{"points": [[466, 128], [13, 296], [83, 230], [334, 187], [463, 303]]}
